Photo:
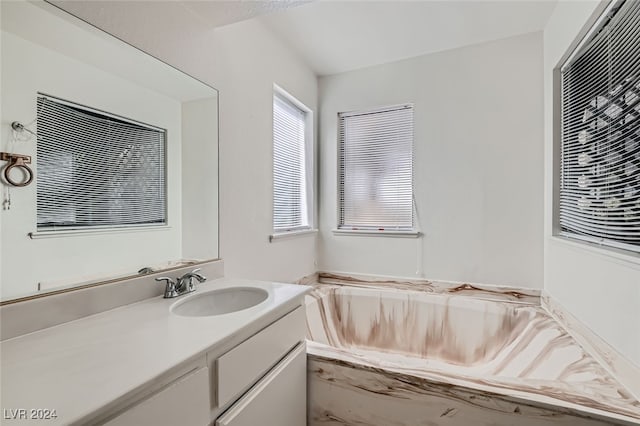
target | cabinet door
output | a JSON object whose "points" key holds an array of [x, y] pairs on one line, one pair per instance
{"points": [[278, 399], [184, 402]]}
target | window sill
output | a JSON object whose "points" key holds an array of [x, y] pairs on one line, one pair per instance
{"points": [[291, 234], [374, 233], [102, 231], [619, 255]]}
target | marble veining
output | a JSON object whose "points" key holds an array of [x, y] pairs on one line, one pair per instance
{"points": [[501, 343], [479, 291], [618, 366], [342, 393]]}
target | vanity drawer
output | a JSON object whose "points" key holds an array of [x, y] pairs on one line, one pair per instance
{"points": [[278, 399], [242, 366]]}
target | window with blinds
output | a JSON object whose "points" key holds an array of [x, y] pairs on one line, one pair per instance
{"points": [[376, 169], [600, 143], [96, 170], [291, 165]]}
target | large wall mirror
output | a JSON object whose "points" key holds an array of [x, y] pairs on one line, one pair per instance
{"points": [[123, 151]]}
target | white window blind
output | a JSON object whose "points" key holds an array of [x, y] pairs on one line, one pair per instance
{"points": [[290, 174], [376, 169], [97, 170], [600, 150]]}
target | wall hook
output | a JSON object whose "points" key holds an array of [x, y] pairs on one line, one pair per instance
{"points": [[20, 161], [19, 127]]}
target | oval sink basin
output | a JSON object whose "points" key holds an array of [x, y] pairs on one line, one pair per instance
{"points": [[219, 302]]}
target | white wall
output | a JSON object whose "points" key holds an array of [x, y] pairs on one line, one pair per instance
{"points": [[251, 60], [478, 164], [602, 290], [200, 179], [242, 61]]}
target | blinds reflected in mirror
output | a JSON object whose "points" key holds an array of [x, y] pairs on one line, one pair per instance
{"points": [[376, 169], [600, 159], [97, 170]]}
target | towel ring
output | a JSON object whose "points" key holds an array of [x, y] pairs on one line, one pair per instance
{"points": [[19, 161]]}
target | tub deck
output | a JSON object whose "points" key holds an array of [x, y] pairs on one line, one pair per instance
{"points": [[495, 351]]}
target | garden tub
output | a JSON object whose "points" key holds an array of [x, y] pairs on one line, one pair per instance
{"points": [[384, 353]]}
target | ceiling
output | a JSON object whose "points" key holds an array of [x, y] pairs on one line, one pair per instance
{"points": [[331, 36], [338, 36], [207, 13], [166, 24], [217, 13]]}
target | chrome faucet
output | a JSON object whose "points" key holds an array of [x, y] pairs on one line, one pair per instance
{"points": [[182, 285], [186, 284], [170, 289]]}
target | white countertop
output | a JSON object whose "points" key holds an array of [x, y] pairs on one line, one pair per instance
{"points": [[79, 367]]}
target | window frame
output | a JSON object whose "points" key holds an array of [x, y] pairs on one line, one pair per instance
{"points": [[601, 246], [339, 230], [309, 169]]}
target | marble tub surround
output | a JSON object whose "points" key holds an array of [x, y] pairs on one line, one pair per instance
{"points": [[618, 366], [492, 344], [343, 393], [85, 369], [479, 291], [18, 317]]}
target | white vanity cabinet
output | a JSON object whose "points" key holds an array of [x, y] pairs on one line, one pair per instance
{"points": [[278, 399], [143, 364], [259, 380], [262, 381]]}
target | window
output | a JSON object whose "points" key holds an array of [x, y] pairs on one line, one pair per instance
{"points": [[97, 170], [599, 197], [292, 169], [375, 183]]}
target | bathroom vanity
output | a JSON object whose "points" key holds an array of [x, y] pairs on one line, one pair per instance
{"points": [[145, 364]]}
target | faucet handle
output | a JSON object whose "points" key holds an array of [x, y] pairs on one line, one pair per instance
{"points": [[170, 281], [196, 272], [170, 289]]}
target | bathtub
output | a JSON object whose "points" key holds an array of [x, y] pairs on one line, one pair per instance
{"points": [[396, 355]]}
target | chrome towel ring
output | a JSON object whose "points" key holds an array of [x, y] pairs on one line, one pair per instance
{"points": [[20, 161]]}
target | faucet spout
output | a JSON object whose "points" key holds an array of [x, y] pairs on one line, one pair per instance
{"points": [[185, 282]]}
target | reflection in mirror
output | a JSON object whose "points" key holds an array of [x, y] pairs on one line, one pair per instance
{"points": [[124, 154]]}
